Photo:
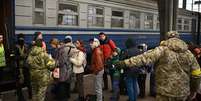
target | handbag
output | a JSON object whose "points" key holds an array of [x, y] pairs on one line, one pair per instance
{"points": [[55, 73]]}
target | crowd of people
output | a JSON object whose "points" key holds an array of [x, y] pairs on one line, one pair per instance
{"points": [[173, 65]]}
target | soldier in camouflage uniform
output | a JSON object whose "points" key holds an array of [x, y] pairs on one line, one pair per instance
{"points": [[23, 72], [41, 65], [177, 71]]}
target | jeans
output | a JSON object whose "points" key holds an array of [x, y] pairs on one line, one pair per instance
{"points": [[132, 88], [98, 85], [115, 87], [152, 84], [141, 82], [105, 79]]}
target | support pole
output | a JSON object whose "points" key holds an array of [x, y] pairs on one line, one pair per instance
{"points": [[167, 16], [198, 28], [184, 4], [198, 25]]}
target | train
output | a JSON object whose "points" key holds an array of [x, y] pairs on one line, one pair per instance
{"points": [[84, 19]]}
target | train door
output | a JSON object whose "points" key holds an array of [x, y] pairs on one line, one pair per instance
{"points": [[7, 31]]}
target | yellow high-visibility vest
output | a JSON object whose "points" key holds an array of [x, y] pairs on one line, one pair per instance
{"points": [[2, 57]]}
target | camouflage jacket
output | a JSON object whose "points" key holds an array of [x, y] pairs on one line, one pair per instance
{"points": [[175, 65], [22, 68], [40, 64]]}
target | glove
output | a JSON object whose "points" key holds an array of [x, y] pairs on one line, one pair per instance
{"points": [[120, 65]]}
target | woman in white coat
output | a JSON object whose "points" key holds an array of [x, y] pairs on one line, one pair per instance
{"points": [[79, 62]]}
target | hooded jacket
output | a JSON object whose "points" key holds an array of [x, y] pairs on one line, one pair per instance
{"points": [[175, 67], [40, 65], [38, 59]]}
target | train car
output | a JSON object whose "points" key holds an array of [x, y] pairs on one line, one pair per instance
{"points": [[120, 19], [84, 19]]}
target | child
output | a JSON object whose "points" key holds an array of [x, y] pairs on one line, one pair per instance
{"points": [[115, 74]]}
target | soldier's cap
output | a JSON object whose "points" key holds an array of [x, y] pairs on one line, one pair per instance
{"points": [[172, 34]]}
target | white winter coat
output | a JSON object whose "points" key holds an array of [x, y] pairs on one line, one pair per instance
{"points": [[79, 61]]}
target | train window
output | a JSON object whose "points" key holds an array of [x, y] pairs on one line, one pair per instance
{"points": [[68, 8], [134, 20], [179, 27], [95, 21], [39, 17], [179, 20], [95, 10], [187, 24], [117, 13], [186, 21], [117, 22], [179, 24], [99, 11], [148, 21], [67, 14], [95, 16], [186, 27], [39, 12], [158, 23], [117, 19], [67, 19], [39, 4]]}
